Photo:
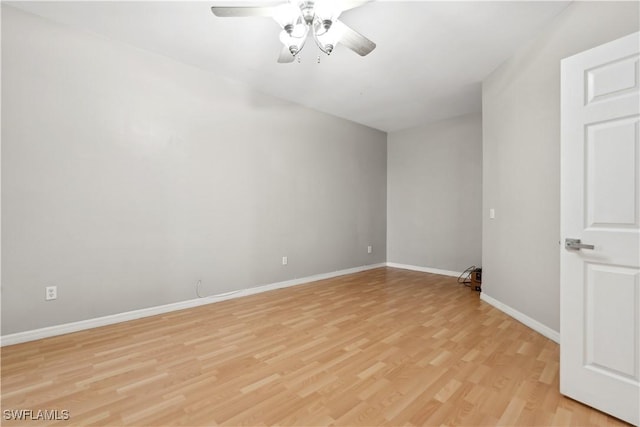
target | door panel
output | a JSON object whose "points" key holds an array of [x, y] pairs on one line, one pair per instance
{"points": [[616, 78], [606, 287], [612, 157]]}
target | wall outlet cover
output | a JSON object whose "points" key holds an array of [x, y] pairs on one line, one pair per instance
{"points": [[51, 293]]}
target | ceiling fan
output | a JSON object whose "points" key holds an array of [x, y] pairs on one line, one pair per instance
{"points": [[301, 19]]}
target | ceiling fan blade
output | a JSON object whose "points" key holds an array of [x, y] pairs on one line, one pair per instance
{"points": [[241, 11], [285, 56], [354, 40], [352, 4]]}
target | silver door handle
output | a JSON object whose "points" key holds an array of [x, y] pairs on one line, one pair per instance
{"points": [[575, 244]]}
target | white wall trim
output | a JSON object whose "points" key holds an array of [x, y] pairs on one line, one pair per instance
{"points": [[81, 325], [424, 269], [522, 318]]}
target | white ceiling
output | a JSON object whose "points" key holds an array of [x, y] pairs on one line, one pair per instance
{"points": [[429, 63]]}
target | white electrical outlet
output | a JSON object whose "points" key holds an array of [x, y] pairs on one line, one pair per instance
{"points": [[285, 260], [368, 249], [492, 213], [51, 292]]}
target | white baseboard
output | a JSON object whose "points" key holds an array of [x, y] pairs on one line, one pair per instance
{"points": [[425, 269], [66, 328], [522, 318]]}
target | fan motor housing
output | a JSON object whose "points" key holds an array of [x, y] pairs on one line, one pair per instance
{"points": [[308, 12]]}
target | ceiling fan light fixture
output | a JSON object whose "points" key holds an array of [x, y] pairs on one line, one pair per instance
{"points": [[326, 38], [294, 44], [327, 11], [300, 30], [298, 18], [287, 14]]}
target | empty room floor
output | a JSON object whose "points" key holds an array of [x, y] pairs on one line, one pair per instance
{"points": [[381, 347]]}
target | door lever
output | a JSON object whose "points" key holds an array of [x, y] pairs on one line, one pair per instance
{"points": [[576, 245]]}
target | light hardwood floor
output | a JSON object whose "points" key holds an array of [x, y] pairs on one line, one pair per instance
{"points": [[382, 347]]}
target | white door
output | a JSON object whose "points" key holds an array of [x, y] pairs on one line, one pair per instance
{"points": [[600, 199]]}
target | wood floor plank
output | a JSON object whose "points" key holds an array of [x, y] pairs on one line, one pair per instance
{"points": [[381, 347]]}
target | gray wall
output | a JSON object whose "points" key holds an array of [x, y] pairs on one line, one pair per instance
{"points": [[521, 151], [435, 194], [126, 177]]}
